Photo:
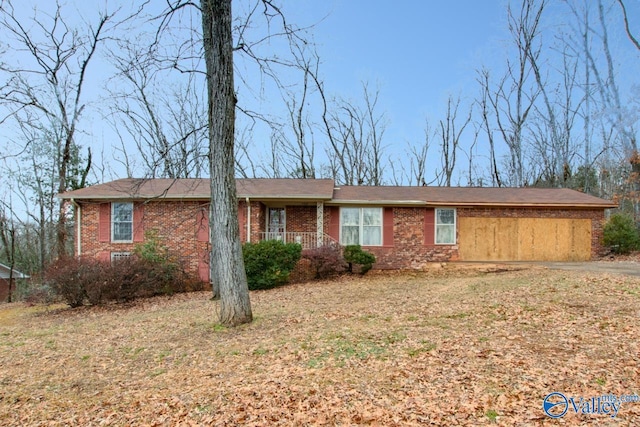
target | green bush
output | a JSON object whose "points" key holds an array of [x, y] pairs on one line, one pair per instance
{"points": [[353, 254], [269, 262], [621, 234], [163, 272]]}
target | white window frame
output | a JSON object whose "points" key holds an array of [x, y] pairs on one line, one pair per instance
{"points": [[113, 222], [361, 225], [118, 256], [276, 235], [437, 224]]}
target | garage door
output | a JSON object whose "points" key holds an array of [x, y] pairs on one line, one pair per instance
{"points": [[524, 239]]}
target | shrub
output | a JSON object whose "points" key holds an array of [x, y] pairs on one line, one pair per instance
{"points": [[269, 262], [325, 261], [105, 287], [162, 271], [69, 277], [620, 233], [77, 280], [353, 254], [38, 293]]}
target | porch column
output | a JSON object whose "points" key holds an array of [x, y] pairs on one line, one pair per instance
{"points": [[320, 223]]}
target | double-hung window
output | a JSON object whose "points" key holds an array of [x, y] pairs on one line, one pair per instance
{"points": [[445, 226], [122, 222], [361, 226]]}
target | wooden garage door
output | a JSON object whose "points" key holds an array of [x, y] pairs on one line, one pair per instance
{"points": [[524, 239]]}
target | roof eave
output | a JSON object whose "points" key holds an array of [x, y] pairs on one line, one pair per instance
{"points": [[285, 197], [191, 197], [525, 205], [379, 202]]}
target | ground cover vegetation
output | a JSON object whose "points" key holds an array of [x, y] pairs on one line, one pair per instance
{"points": [[454, 346]]}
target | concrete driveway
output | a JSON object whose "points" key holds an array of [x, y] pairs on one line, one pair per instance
{"points": [[629, 268]]}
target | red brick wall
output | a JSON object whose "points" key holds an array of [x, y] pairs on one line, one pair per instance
{"points": [[176, 224], [409, 250], [4, 289], [301, 219], [411, 247], [258, 220]]}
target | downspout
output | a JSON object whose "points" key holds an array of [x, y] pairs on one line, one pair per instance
{"points": [[78, 226], [248, 220]]}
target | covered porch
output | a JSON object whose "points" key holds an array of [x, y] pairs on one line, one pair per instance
{"points": [[290, 222]]}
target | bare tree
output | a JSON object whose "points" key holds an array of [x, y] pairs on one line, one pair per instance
{"points": [[245, 165], [486, 112], [474, 179], [449, 132], [418, 157], [8, 242], [598, 147], [511, 98], [618, 114], [528, 28], [610, 91], [167, 123], [355, 136], [226, 258], [630, 35], [44, 87], [297, 152]]}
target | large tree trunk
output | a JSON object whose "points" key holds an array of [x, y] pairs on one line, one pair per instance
{"points": [[227, 265]]}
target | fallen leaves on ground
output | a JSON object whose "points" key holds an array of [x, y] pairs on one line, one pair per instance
{"points": [[470, 347]]}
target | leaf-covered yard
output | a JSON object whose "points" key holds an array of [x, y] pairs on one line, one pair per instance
{"points": [[466, 347]]}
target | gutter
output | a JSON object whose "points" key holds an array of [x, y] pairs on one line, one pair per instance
{"points": [[523, 205], [335, 202], [427, 203], [78, 226], [248, 219]]}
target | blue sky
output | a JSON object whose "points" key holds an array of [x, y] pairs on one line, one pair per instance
{"points": [[418, 52], [421, 52]]}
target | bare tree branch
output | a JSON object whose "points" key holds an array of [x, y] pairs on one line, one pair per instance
{"points": [[626, 25]]}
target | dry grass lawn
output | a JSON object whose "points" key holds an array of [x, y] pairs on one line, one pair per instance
{"points": [[446, 348]]}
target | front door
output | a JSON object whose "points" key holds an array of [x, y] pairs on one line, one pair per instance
{"points": [[276, 225]]}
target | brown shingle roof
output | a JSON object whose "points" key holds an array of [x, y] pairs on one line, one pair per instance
{"points": [[136, 188], [317, 189], [323, 189], [467, 196]]}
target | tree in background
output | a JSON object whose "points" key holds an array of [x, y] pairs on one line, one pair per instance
{"points": [[165, 121], [43, 97]]}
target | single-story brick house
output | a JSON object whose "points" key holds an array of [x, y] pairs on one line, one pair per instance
{"points": [[8, 281], [405, 227]]}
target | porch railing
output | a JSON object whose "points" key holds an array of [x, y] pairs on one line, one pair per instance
{"points": [[307, 240]]}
